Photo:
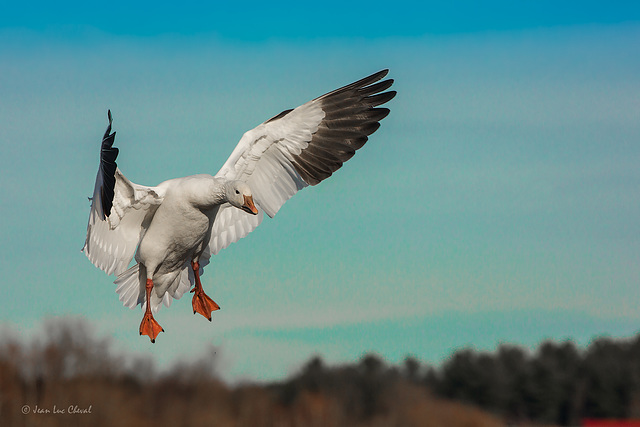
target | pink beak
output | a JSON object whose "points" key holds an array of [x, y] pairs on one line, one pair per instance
{"points": [[249, 206]]}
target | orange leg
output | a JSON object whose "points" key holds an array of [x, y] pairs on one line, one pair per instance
{"points": [[201, 302], [149, 326]]}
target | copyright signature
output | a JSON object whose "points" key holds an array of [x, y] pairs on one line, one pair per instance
{"points": [[71, 409]]}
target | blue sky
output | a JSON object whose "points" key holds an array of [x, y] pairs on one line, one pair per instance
{"points": [[257, 21], [497, 203]]}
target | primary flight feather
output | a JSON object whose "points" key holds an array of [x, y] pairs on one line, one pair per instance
{"points": [[173, 229]]}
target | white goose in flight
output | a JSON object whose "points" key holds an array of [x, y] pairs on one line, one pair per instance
{"points": [[174, 228]]}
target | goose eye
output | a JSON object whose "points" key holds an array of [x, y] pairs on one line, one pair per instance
{"points": [[237, 192]]}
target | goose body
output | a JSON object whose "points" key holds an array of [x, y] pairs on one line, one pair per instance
{"points": [[174, 228]]}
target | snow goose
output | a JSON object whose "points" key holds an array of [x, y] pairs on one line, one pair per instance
{"points": [[173, 229]]}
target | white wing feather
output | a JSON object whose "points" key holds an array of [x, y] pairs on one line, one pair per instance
{"points": [[263, 159], [230, 225], [264, 156], [111, 242]]}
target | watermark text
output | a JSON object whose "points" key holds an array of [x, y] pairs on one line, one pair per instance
{"points": [[56, 410]]}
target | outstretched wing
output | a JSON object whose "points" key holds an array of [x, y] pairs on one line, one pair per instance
{"points": [[299, 147], [120, 212]]}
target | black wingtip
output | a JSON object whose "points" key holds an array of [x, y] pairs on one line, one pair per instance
{"points": [[363, 84], [351, 115], [382, 73], [108, 165]]}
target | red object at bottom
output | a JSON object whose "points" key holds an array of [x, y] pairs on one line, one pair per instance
{"points": [[594, 422]]}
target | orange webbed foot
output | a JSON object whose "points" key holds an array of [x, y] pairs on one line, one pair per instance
{"points": [[150, 326], [203, 304]]}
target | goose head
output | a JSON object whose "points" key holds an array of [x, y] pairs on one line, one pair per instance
{"points": [[239, 195]]}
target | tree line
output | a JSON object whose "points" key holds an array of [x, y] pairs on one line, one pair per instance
{"points": [[558, 383]]}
